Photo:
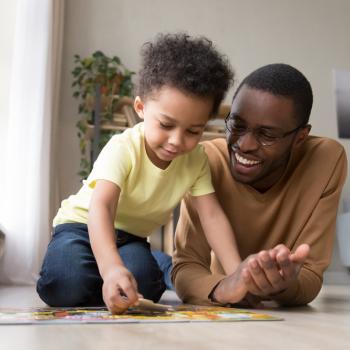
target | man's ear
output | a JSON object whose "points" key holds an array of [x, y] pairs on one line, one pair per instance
{"points": [[139, 107], [302, 135]]}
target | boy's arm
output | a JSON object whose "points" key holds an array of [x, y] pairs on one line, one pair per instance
{"points": [[218, 231], [119, 287]]}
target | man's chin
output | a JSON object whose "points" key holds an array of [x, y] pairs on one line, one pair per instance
{"points": [[247, 178]]}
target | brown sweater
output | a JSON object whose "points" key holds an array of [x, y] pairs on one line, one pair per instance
{"points": [[300, 208]]}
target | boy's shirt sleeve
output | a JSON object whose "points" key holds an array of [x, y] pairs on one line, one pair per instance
{"points": [[113, 164]]}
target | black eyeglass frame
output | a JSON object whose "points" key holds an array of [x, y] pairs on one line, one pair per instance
{"points": [[277, 138]]}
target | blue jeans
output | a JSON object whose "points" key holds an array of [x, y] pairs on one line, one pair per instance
{"points": [[70, 277]]}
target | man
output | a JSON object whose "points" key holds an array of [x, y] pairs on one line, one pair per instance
{"points": [[280, 189]]}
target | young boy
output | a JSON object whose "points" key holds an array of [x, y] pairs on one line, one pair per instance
{"points": [[99, 249]]}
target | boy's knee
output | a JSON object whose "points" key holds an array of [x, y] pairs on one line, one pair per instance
{"points": [[68, 291], [56, 292]]}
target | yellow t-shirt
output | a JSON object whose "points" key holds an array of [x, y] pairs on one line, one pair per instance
{"points": [[148, 193]]}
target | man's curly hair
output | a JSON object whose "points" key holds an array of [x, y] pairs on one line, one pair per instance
{"points": [[189, 64]]}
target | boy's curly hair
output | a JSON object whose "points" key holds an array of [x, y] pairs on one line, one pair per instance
{"points": [[189, 64]]}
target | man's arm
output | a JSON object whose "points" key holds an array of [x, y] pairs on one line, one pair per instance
{"points": [[193, 278], [307, 269], [318, 233]]}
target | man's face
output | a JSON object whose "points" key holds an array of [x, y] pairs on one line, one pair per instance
{"points": [[269, 116]]}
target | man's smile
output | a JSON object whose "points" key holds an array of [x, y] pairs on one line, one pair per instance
{"points": [[245, 161]]}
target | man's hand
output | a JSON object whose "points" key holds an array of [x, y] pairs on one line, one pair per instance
{"points": [[262, 274], [119, 290], [271, 272], [232, 289]]}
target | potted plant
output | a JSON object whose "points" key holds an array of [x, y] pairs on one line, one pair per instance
{"points": [[114, 81]]}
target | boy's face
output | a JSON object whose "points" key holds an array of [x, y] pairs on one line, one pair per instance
{"points": [[266, 114], [173, 123]]}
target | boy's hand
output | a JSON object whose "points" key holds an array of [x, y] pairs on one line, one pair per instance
{"points": [[119, 289]]}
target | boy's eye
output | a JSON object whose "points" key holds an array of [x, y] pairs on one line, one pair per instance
{"points": [[165, 126]]}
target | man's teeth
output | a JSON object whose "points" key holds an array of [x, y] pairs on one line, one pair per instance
{"points": [[245, 161]]}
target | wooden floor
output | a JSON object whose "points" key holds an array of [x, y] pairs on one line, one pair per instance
{"points": [[324, 324]]}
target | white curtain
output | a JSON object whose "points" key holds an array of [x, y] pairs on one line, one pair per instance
{"points": [[28, 190]]}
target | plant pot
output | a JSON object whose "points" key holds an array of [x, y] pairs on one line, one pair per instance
{"points": [[106, 102]]}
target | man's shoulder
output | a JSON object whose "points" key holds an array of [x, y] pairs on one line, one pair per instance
{"points": [[321, 148], [319, 157], [216, 147], [218, 158]]}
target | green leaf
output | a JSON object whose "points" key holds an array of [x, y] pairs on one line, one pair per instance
{"points": [[116, 59], [87, 73], [98, 54]]}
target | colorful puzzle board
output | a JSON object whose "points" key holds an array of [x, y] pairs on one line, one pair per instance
{"points": [[183, 313]]}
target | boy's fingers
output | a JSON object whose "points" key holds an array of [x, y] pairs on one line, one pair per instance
{"points": [[129, 291], [115, 301], [118, 305]]}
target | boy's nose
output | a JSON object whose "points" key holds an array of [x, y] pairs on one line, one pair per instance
{"points": [[176, 138]]}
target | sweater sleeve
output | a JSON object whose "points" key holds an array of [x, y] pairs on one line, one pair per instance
{"points": [[319, 233]]}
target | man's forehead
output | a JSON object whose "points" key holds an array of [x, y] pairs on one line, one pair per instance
{"points": [[263, 107]]}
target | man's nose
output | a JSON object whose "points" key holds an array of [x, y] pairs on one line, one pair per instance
{"points": [[248, 142]]}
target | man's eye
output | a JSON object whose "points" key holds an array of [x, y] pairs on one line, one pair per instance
{"points": [[267, 136], [193, 132], [238, 128], [165, 126]]}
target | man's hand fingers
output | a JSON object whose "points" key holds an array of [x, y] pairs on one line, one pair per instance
{"points": [[287, 267], [259, 277], [301, 253], [249, 282], [271, 270]]}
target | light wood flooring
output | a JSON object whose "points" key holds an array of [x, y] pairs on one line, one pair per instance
{"points": [[324, 324]]}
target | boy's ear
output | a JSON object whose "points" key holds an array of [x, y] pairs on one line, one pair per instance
{"points": [[139, 107]]}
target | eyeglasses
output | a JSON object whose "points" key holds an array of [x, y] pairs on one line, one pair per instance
{"points": [[262, 136]]}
